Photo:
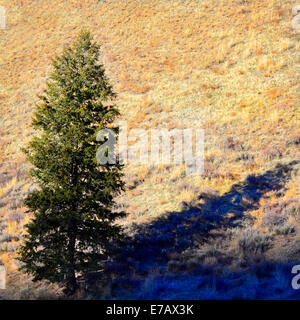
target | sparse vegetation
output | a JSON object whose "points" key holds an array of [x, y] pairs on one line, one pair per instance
{"points": [[230, 70]]}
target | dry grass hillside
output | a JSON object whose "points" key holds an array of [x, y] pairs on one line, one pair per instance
{"points": [[230, 67]]}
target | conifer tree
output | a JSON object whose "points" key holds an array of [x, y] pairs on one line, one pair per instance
{"points": [[73, 225]]}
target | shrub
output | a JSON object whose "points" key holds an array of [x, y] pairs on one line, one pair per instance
{"points": [[7, 237], [17, 216], [294, 140], [293, 210], [7, 246], [293, 251], [274, 219], [253, 242], [271, 152], [285, 229], [188, 187]]}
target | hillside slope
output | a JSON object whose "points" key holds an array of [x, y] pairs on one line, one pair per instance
{"points": [[231, 69]]}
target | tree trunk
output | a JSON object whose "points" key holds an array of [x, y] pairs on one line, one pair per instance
{"points": [[71, 283], [71, 286]]}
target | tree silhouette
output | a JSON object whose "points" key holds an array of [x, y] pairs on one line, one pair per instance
{"points": [[73, 226]]}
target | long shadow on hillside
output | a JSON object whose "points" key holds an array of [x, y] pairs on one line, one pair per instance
{"points": [[152, 244]]}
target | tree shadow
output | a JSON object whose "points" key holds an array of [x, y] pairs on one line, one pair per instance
{"points": [[176, 231], [151, 245]]}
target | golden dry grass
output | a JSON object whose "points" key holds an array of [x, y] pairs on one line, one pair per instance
{"points": [[231, 69]]}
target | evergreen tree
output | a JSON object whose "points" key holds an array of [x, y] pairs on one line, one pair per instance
{"points": [[73, 226]]}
